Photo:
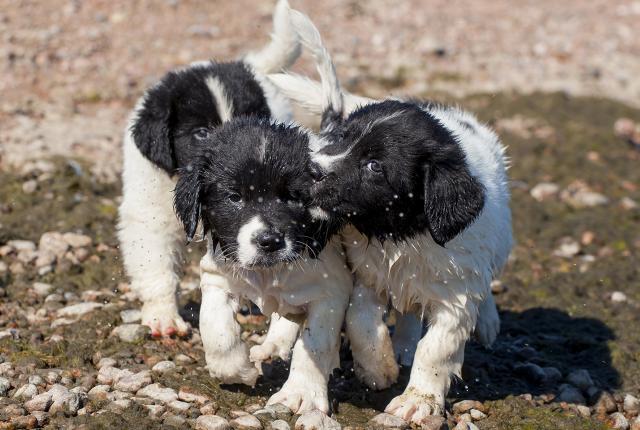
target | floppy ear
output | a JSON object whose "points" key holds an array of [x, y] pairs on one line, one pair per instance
{"points": [[151, 130], [186, 202], [453, 199]]}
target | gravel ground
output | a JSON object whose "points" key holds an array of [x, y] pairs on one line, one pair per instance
{"points": [[72, 352]]}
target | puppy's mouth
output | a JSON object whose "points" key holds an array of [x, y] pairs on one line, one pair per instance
{"points": [[269, 260]]}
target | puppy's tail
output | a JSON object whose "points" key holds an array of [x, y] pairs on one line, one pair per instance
{"points": [[284, 48]]}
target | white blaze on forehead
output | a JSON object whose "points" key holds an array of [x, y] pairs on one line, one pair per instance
{"points": [[318, 213], [326, 161], [247, 250], [223, 103]]}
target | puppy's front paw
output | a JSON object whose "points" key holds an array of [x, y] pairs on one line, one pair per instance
{"points": [[301, 397], [163, 319], [243, 373], [268, 351], [415, 406], [377, 374]]}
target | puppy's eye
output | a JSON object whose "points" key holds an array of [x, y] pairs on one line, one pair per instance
{"points": [[202, 133], [294, 195], [235, 197], [374, 166]]}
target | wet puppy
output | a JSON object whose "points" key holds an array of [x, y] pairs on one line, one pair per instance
{"points": [[167, 126], [422, 190], [249, 188]]}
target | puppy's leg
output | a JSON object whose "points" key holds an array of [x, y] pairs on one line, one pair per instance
{"points": [[150, 237], [488, 325], [439, 356], [315, 355], [373, 357], [408, 332], [280, 338], [225, 353]]}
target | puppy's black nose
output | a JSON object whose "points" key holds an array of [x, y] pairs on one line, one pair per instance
{"points": [[270, 241], [316, 173]]}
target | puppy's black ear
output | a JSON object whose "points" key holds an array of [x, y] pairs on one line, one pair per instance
{"points": [[186, 201], [151, 130], [453, 199]]}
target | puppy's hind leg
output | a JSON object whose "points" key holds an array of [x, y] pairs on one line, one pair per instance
{"points": [[280, 338], [373, 357]]}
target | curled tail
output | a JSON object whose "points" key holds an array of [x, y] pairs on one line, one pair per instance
{"points": [[284, 48]]}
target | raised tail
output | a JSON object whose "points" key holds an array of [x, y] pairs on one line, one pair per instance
{"points": [[284, 48]]}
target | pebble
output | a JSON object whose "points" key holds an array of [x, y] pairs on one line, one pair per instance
{"points": [[30, 186], [212, 422], [132, 383], [581, 379], [209, 409], [570, 394], [78, 309], [53, 242], [316, 420], [583, 410], [26, 392], [174, 421], [109, 375], [280, 425], [5, 386], [477, 415], [178, 406], [531, 372], [24, 422], [41, 416], [3, 267], [497, 287], [119, 405], [579, 196], [44, 259], [155, 411], [183, 359], [618, 297], [433, 423], [188, 395], [618, 421], [157, 392], [544, 191], [106, 362], [568, 248], [21, 245], [99, 392], [42, 289], [235, 413], [131, 332], [605, 404], [635, 425], [631, 404], [41, 402], [131, 316], [388, 421], [466, 405], [552, 374], [265, 414], [67, 402], [75, 240], [246, 422], [163, 366], [281, 411]]}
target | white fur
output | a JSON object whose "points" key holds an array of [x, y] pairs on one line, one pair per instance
{"points": [[223, 103], [278, 342], [320, 288], [247, 250], [148, 230]]}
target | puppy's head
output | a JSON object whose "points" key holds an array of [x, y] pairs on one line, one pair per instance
{"points": [[250, 189], [394, 171], [179, 113]]}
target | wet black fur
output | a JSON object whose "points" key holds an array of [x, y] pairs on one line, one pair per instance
{"points": [[275, 187], [425, 184], [181, 103]]}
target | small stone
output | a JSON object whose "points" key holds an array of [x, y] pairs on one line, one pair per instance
{"points": [[235, 413], [106, 362], [178, 406], [212, 422], [618, 297], [581, 379], [5, 386], [53, 242], [434, 423], [544, 191], [21, 245], [78, 309], [578, 195], [3, 267], [99, 392], [583, 410], [44, 259], [552, 374], [385, 420], [26, 392], [119, 405], [316, 420], [568, 248], [635, 425], [246, 422], [109, 375], [466, 405], [189, 395], [30, 186], [42, 417], [132, 383], [36, 380], [280, 425], [618, 421], [477, 415], [531, 372], [265, 414], [67, 402], [155, 411], [281, 411], [605, 404], [42, 289], [628, 204], [570, 394], [131, 332], [157, 392], [174, 421], [631, 404], [24, 422], [163, 366], [75, 240], [497, 287], [183, 359], [131, 316], [208, 409]]}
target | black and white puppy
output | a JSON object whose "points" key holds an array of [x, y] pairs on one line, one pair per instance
{"points": [[423, 192], [165, 129], [250, 190]]}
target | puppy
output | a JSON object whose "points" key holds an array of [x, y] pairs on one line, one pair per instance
{"points": [[249, 188], [422, 191], [168, 124]]}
